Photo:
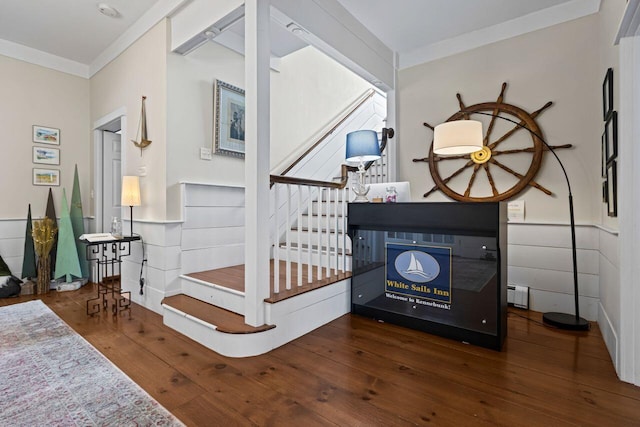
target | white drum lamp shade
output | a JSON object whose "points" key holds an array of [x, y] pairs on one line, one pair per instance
{"points": [[457, 137]]}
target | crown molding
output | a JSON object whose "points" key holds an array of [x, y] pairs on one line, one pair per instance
{"points": [[159, 11], [44, 59], [525, 24], [630, 24]]}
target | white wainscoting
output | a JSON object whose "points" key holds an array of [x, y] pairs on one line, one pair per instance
{"points": [[609, 306], [540, 257], [12, 243]]}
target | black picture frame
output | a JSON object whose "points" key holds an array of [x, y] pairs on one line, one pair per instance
{"points": [[604, 157], [605, 192], [607, 94], [611, 131], [612, 197]]}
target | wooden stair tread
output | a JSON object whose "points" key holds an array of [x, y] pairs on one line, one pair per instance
{"points": [[224, 320]]}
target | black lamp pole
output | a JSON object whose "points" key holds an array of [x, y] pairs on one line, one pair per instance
{"points": [[559, 320]]}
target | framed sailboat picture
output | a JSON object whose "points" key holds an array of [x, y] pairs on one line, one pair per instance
{"points": [[229, 120]]}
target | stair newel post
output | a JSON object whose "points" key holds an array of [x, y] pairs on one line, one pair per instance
{"points": [[310, 217], [345, 197], [328, 239], [299, 237], [335, 227], [276, 239], [288, 234], [320, 196], [257, 47]]}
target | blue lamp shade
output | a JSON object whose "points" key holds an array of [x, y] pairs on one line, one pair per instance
{"points": [[362, 146]]}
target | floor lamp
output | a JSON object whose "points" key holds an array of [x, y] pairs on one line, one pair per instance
{"points": [[464, 137], [130, 195]]}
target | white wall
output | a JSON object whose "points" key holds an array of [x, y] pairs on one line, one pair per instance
{"points": [[307, 92], [34, 95]]}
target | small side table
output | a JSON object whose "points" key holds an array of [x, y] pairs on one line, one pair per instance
{"points": [[107, 255]]}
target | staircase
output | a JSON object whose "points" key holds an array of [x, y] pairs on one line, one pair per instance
{"points": [[311, 263]]}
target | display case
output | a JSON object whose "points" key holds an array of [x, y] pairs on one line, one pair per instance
{"points": [[436, 267]]}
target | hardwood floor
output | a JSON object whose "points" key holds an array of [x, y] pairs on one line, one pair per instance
{"points": [[358, 372]]}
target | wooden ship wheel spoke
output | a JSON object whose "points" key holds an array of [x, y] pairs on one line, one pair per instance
{"points": [[495, 172]]}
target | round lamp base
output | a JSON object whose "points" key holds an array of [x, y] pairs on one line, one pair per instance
{"points": [[565, 321]]}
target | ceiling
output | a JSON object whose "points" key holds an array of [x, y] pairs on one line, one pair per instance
{"points": [[77, 31]]}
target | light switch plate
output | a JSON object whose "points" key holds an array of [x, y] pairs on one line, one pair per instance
{"points": [[205, 153]]}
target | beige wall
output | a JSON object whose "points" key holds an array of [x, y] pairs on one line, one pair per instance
{"points": [[34, 95], [139, 70], [559, 64]]}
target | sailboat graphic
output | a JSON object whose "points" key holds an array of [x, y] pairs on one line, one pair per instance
{"points": [[415, 267]]}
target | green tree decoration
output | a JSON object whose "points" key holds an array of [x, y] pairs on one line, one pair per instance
{"points": [[77, 221], [29, 260], [67, 263], [51, 214]]}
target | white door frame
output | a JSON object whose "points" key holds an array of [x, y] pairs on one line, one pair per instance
{"points": [[98, 157]]}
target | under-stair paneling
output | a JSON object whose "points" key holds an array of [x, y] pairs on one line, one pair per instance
{"points": [[163, 254], [297, 316], [540, 257], [213, 232]]}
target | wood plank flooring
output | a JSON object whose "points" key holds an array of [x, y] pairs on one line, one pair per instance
{"points": [[359, 372]]}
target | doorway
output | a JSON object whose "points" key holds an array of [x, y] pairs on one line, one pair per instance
{"points": [[107, 170]]}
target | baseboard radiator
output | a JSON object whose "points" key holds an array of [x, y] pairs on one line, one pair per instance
{"points": [[518, 296]]}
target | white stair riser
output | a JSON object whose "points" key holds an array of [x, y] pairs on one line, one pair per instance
{"points": [[213, 294]]}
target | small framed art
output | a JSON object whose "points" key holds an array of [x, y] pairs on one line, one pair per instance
{"points": [[45, 135], [229, 119], [49, 177], [607, 94], [45, 155]]}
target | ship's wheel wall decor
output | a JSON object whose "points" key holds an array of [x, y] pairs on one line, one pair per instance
{"points": [[507, 163]]}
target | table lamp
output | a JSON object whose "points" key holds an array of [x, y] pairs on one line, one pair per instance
{"points": [[130, 195], [362, 146]]}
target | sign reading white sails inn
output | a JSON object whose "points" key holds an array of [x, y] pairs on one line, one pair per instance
{"points": [[416, 273]]}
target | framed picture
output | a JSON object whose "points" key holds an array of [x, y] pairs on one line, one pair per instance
{"points": [[229, 119], [607, 94], [605, 191], [45, 135], [611, 131], [612, 199], [45, 155], [46, 177], [605, 156]]}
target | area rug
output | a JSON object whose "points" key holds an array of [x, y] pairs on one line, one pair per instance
{"points": [[51, 376]]}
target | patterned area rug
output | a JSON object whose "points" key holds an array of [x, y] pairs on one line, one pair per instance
{"points": [[51, 376]]}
